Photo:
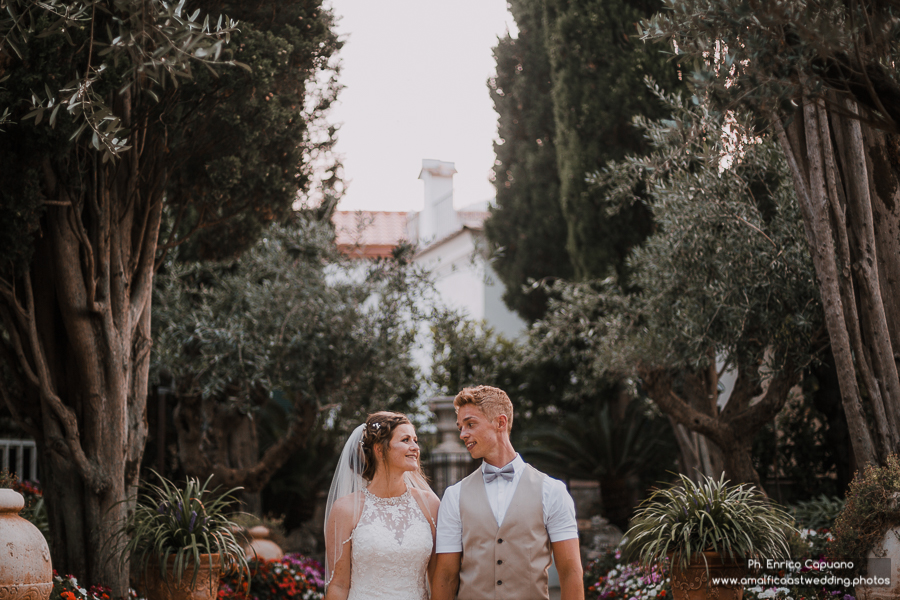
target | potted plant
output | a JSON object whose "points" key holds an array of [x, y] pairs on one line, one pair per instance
{"points": [[869, 527], [707, 530], [180, 539]]}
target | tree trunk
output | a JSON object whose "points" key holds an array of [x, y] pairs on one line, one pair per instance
{"points": [[845, 174], [730, 429], [214, 438], [697, 455], [79, 327]]}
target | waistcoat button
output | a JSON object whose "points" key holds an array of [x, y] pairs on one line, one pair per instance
{"points": [[500, 541], [499, 582], [499, 562]]}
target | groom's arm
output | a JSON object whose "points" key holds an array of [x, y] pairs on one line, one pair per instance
{"points": [[567, 557], [446, 576]]}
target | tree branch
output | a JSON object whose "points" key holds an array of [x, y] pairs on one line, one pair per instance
{"points": [[92, 474], [19, 349]]}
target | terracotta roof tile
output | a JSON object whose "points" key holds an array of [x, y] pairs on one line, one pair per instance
{"points": [[369, 233]]}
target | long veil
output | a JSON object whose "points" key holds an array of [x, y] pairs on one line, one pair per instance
{"points": [[348, 481]]}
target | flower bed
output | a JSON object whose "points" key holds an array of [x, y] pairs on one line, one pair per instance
{"points": [[66, 587], [812, 546], [294, 577], [608, 578]]}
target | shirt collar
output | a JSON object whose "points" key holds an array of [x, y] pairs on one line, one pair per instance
{"points": [[518, 464]]}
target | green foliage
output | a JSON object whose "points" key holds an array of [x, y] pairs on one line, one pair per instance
{"points": [[624, 453], [255, 139], [818, 513], [872, 508], [142, 45], [239, 144], [727, 267], [763, 58], [291, 315], [598, 68], [526, 229], [711, 515], [593, 444], [544, 380], [184, 523], [467, 353]]}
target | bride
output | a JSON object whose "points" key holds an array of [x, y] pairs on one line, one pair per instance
{"points": [[380, 516]]}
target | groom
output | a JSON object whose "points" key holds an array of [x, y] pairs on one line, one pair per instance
{"points": [[498, 527]]}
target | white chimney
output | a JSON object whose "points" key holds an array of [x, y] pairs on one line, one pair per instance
{"points": [[438, 219]]}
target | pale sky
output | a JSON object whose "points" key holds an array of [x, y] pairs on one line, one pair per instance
{"points": [[415, 73]]}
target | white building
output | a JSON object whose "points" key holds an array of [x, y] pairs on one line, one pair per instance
{"points": [[452, 246], [450, 242]]}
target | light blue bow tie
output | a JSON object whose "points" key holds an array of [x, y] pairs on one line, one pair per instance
{"points": [[491, 472]]}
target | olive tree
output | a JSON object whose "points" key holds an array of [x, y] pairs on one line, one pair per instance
{"points": [[821, 78], [294, 318], [725, 285], [127, 126]]}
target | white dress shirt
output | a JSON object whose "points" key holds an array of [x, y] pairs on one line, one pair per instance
{"points": [[559, 509]]}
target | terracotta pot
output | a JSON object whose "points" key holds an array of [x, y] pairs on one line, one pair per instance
{"points": [[205, 588], [889, 548], [262, 547], [25, 569], [695, 582]]}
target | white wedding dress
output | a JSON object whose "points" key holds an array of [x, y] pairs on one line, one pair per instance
{"points": [[391, 547]]}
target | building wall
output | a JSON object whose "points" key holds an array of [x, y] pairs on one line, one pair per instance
{"points": [[458, 273], [465, 280]]}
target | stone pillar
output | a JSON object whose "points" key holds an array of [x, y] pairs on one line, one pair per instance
{"points": [[449, 462]]}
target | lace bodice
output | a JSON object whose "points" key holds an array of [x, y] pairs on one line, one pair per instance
{"points": [[391, 546]]}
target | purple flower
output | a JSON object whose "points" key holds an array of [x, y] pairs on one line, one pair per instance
{"points": [[193, 520], [162, 508]]}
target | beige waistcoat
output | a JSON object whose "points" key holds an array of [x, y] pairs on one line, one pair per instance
{"points": [[509, 561]]}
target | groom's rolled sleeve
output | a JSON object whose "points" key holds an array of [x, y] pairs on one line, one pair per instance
{"points": [[559, 511], [449, 524]]}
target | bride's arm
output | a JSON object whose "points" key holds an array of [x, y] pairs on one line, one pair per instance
{"points": [[337, 548], [434, 505]]}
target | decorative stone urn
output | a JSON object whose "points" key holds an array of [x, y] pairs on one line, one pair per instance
{"points": [[262, 546], [889, 553], [25, 569]]}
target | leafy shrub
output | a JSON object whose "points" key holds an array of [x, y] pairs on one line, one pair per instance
{"points": [[873, 507], [294, 577], [819, 513]]}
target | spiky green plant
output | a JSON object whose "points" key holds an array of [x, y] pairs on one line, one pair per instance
{"points": [[818, 513], [689, 518], [185, 523]]}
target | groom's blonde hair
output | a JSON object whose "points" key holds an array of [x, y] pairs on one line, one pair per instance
{"points": [[492, 401]]}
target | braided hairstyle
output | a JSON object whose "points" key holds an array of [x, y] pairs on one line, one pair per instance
{"points": [[379, 430]]}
